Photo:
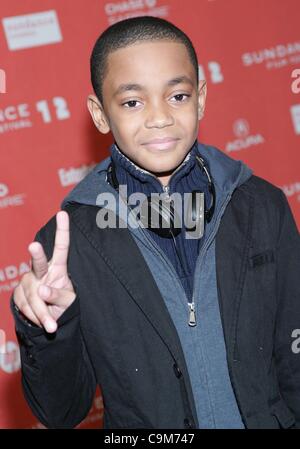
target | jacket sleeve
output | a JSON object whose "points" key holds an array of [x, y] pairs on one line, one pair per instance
{"points": [[58, 379], [287, 327]]}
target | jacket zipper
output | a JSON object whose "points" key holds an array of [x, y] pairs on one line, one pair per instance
{"points": [[191, 305], [192, 317], [192, 314]]}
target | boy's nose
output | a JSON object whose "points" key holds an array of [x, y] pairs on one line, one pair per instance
{"points": [[159, 117]]}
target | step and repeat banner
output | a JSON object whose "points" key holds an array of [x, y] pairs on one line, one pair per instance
{"points": [[249, 53]]}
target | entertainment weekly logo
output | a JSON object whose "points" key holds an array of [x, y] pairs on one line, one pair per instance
{"points": [[276, 57], [69, 176], [117, 11], [17, 117], [7, 200], [244, 139], [32, 30]]}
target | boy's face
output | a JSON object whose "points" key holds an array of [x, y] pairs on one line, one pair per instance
{"points": [[157, 105]]}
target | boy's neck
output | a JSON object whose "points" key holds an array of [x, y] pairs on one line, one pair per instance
{"points": [[163, 178]]}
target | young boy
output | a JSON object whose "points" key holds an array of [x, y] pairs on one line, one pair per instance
{"points": [[180, 330]]}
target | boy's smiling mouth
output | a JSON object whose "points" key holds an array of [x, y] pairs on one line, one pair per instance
{"points": [[161, 143]]}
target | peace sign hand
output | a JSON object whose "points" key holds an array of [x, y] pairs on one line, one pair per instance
{"points": [[46, 291]]}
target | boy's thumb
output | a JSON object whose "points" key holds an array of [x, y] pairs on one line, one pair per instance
{"points": [[44, 291]]}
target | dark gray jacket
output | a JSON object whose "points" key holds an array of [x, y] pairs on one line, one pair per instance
{"points": [[118, 332]]}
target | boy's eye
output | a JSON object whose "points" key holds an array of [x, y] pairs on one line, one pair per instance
{"points": [[131, 104], [179, 97]]}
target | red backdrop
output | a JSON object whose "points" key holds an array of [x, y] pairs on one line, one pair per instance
{"points": [[249, 51]]}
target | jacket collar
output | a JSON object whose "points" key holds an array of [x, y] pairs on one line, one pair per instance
{"points": [[227, 175], [139, 179]]}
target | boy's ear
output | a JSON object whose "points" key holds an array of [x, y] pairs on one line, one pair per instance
{"points": [[202, 90], [98, 115]]}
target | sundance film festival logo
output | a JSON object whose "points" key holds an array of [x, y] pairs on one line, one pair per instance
{"points": [[7, 200], [16, 117], [274, 57], [10, 274], [32, 30], [121, 10], [244, 139]]}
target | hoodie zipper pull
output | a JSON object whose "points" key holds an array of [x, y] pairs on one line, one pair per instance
{"points": [[166, 190], [192, 314]]}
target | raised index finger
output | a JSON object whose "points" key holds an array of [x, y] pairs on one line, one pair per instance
{"points": [[62, 240], [39, 262]]}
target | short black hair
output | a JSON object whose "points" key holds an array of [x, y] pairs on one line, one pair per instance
{"points": [[128, 32]]}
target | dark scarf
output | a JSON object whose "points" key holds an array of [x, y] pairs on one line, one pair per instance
{"points": [[188, 177]]}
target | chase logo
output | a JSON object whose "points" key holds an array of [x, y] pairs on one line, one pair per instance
{"points": [[32, 30]]}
